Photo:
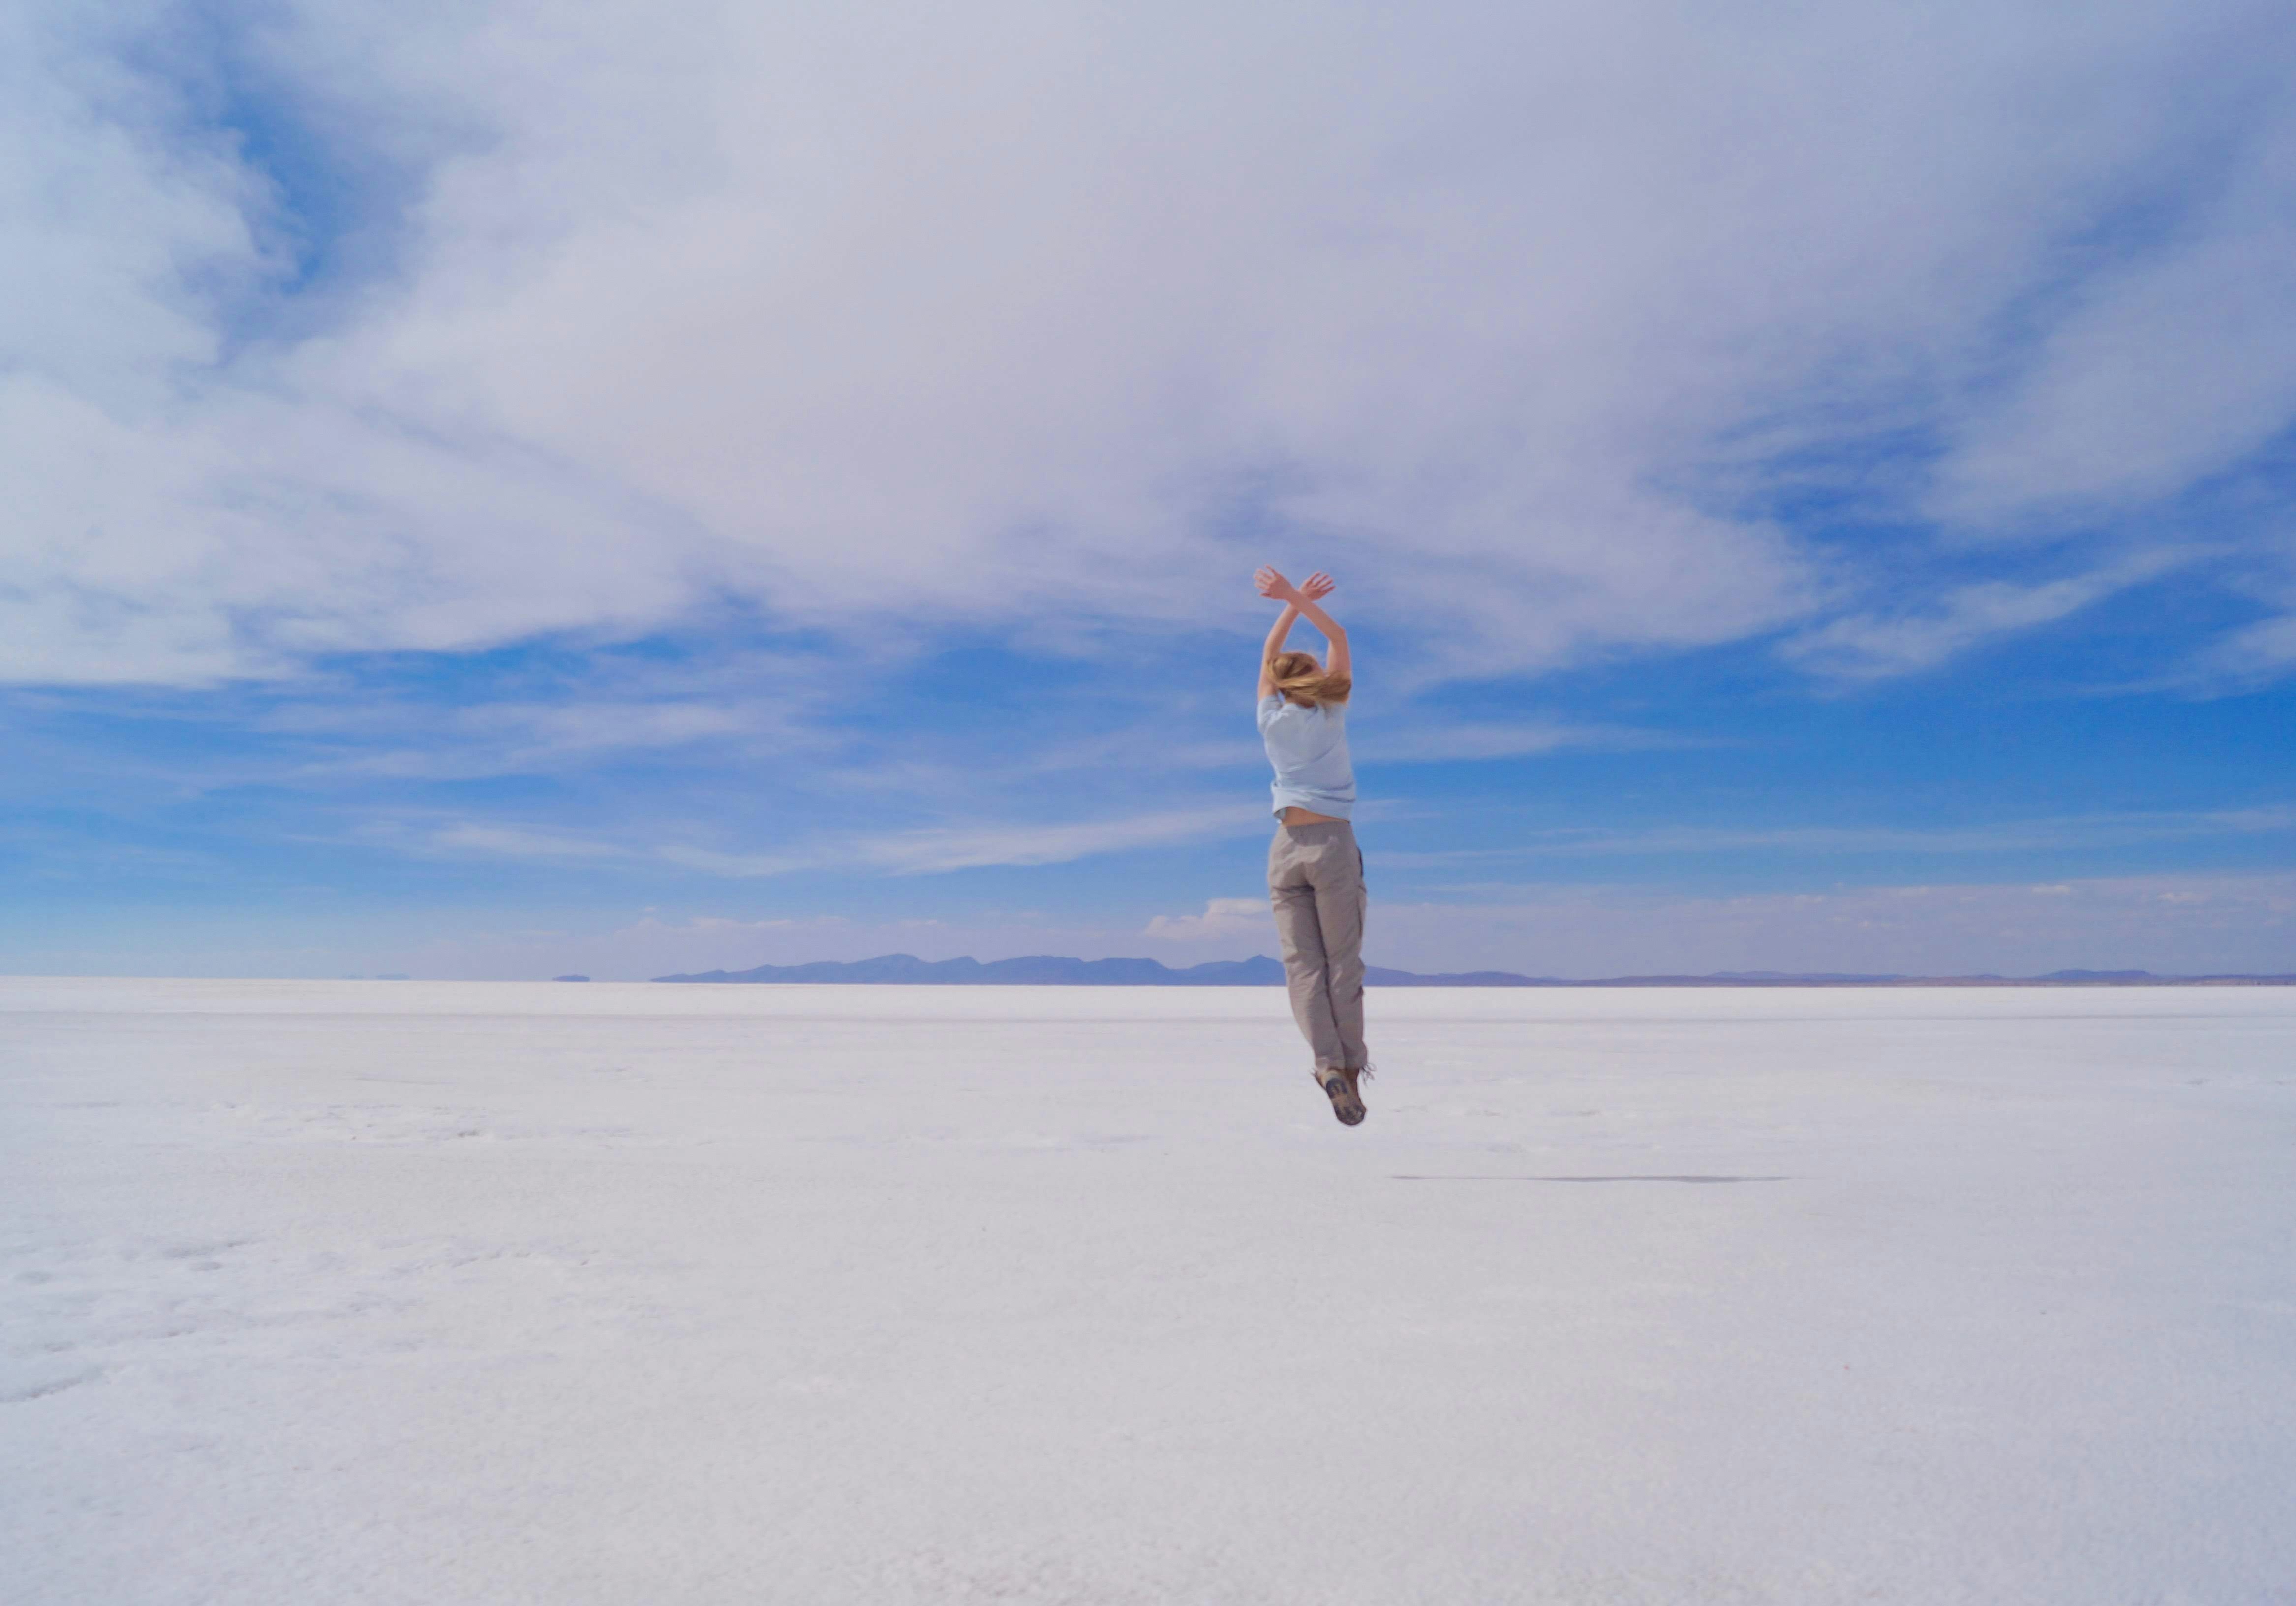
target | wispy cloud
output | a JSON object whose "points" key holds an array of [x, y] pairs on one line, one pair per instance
{"points": [[1868, 646], [2062, 833], [959, 847], [739, 865], [2165, 367], [2255, 653], [512, 739], [514, 841], [928, 851], [1436, 744], [2258, 653]]}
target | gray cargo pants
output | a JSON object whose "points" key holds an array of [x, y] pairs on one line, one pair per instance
{"points": [[1315, 879]]}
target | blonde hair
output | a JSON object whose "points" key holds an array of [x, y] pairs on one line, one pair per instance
{"points": [[1302, 679]]}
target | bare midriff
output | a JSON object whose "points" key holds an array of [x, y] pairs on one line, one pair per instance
{"points": [[1308, 816]]}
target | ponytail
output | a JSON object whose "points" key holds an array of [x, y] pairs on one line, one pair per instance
{"points": [[1300, 679]]}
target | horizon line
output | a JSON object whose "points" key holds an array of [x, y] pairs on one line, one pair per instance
{"points": [[1226, 972]]}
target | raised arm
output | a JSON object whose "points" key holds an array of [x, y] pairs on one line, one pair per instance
{"points": [[1300, 602], [1276, 639], [1336, 662]]}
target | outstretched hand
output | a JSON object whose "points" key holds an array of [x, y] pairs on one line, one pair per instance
{"points": [[1272, 584]]}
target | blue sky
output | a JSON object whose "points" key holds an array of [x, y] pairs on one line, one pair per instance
{"points": [[505, 491]]}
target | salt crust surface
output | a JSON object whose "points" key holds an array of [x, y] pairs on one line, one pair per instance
{"points": [[435, 1293]]}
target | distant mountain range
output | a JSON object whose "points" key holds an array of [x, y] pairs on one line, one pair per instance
{"points": [[1046, 970]]}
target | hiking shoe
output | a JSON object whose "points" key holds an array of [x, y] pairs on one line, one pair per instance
{"points": [[1338, 1086]]}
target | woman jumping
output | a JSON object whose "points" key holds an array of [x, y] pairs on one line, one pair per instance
{"points": [[1314, 871]]}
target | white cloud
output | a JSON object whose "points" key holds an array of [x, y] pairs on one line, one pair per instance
{"points": [[514, 842], [2265, 648], [2171, 368], [2063, 834], [1421, 744], [969, 314], [959, 847], [1245, 923], [928, 851], [1869, 645], [496, 739], [737, 864], [1224, 919]]}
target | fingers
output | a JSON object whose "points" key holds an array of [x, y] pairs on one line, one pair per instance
{"points": [[1271, 583]]}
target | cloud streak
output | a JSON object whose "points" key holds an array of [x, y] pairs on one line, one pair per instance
{"points": [[2072, 832], [1867, 646], [935, 850]]}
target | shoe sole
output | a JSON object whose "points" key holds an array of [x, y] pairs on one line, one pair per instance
{"points": [[1345, 1103]]}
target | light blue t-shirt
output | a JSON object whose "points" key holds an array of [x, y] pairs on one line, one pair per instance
{"points": [[1307, 744]]}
